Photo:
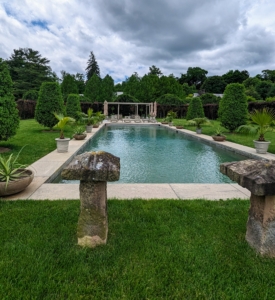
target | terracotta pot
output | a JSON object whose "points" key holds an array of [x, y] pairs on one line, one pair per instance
{"points": [[164, 122], [96, 126], [179, 127], [80, 136], [17, 185], [219, 138]]}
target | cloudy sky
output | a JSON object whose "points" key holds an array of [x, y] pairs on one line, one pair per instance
{"points": [[129, 36]]}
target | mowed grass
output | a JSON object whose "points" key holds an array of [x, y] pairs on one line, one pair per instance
{"points": [[156, 249], [246, 140], [37, 139]]}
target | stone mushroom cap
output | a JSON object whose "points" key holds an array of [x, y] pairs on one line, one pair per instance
{"points": [[258, 176], [93, 166]]}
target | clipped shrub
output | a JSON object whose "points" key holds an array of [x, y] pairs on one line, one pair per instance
{"points": [[9, 118], [49, 101], [209, 98], [250, 99], [233, 107], [195, 109], [270, 99], [73, 106], [170, 99], [31, 95], [82, 98], [126, 98]]}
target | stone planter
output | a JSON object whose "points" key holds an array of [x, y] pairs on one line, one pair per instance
{"points": [[89, 128], [18, 185], [170, 123], [261, 147], [62, 144], [80, 136], [179, 127], [96, 126], [198, 130], [219, 138], [164, 122]]}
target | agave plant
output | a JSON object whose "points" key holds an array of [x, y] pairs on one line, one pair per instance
{"points": [[63, 121], [10, 169], [261, 122]]}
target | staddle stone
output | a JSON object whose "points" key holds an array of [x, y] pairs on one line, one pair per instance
{"points": [[93, 169], [258, 176]]}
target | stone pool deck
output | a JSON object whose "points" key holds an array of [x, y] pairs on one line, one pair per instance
{"points": [[49, 165]]}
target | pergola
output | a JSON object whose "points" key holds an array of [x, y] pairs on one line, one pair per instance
{"points": [[150, 107]]}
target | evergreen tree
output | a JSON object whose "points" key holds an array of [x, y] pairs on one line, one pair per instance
{"points": [[233, 107], [154, 71], [149, 88], [132, 85], [68, 86], [28, 70], [107, 88], [169, 85], [49, 101], [92, 67], [9, 118], [80, 82], [195, 109], [73, 107], [93, 89]]}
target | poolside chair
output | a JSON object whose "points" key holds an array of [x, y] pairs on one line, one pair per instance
{"points": [[137, 119], [114, 119], [127, 119]]}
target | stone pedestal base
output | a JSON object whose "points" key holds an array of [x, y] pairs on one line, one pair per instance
{"points": [[260, 232], [92, 227]]}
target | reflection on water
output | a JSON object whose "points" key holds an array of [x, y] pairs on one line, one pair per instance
{"points": [[153, 154]]}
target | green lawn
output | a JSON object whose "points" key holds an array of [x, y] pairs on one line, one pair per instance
{"points": [[156, 250], [38, 140]]}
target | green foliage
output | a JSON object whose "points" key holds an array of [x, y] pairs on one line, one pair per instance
{"points": [[271, 92], [68, 86], [154, 71], [209, 98], [263, 88], [170, 116], [126, 98], [270, 99], [73, 106], [251, 81], [194, 76], [82, 98], [28, 70], [62, 122], [261, 122], [31, 95], [195, 109], [49, 100], [188, 89], [233, 107], [107, 88], [235, 76], [10, 168], [198, 122], [149, 88], [251, 91], [250, 99], [92, 67], [9, 118], [169, 85], [93, 89], [80, 82], [170, 99], [214, 84], [132, 86]]}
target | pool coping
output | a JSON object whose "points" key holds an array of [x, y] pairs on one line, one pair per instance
{"points": [[46, 168]]}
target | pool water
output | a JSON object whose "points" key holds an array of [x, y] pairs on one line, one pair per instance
{"points": [[154, 154]]}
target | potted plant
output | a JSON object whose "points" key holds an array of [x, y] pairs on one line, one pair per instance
{"points": [[261, 122], [14, 177], [198, 122], [170, 116], [90, 120], [62, 142], [98, 118], [218, 136], [79, 133]]}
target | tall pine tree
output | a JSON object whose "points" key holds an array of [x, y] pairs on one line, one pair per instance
{"points": [[92, 67]]}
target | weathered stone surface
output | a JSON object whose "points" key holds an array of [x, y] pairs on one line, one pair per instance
{"points": [[93, 169], [260, 233], [258, 176], [93, 166]]}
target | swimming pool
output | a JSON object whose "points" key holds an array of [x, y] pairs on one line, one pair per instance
{"points": [[154, 154]]}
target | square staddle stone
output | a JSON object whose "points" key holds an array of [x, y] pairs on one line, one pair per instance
{"points": [[93, 166], [258, 176]]}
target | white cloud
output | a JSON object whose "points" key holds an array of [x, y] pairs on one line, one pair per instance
{"points": [[130, 36]]}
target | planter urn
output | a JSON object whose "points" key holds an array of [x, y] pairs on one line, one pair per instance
{"points": [[219, 138], [62, 144], [261, 147], [89, 128], [80, 136]]}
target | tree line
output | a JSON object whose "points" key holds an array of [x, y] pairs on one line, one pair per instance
{"points": [[28, 70]]}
